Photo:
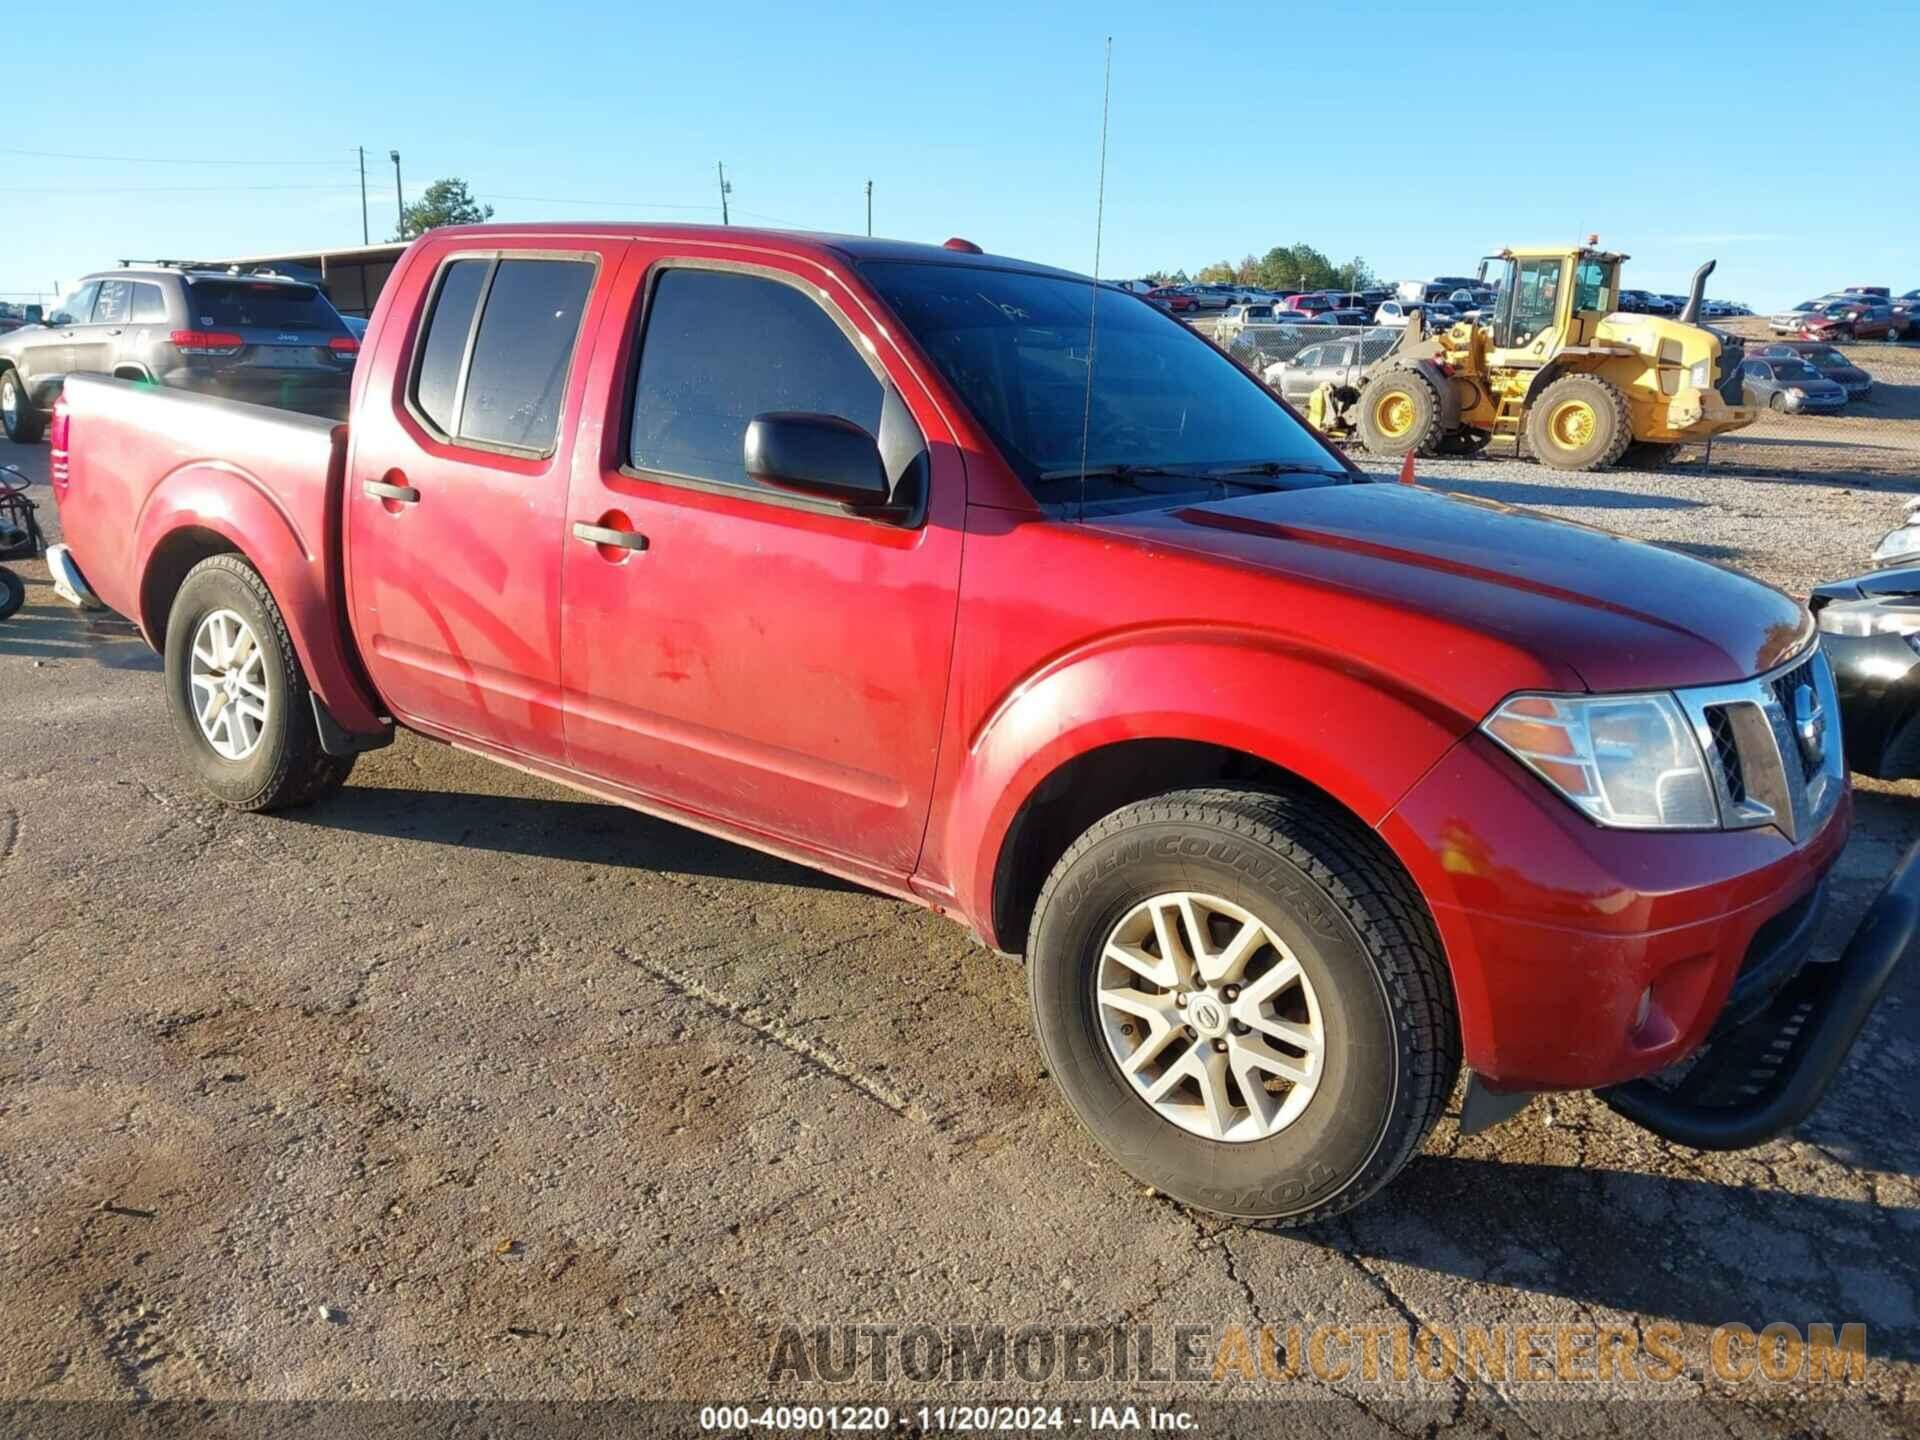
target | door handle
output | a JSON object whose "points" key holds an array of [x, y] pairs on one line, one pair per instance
{"points": [[380, 490], [604, 535]]}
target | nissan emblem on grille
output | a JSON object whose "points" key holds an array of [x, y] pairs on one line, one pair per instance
{"points": [[1810, 725]]}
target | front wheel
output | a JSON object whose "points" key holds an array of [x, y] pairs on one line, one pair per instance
{"points": [[17, 416], [13, 592], [1243, 998], [240, 701]]}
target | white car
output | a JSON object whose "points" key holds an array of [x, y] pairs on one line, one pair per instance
{"points": [[1396, 313]]}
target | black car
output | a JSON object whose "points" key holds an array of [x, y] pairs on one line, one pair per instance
{"points": [[1870, 630], [264, 338]]}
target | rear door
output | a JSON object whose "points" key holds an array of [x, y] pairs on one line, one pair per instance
{"points": [[457, 488], [767, 660]]}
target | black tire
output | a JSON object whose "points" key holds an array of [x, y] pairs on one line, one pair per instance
{"points": [[1648, 455], [1327, 887], [287, 767], [23, 424], [13, 592], [1419, 432], [1608, 432], [1777, 402]]}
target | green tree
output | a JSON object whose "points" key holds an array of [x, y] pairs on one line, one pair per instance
{"points": [[1218, 273], [445, 202]]}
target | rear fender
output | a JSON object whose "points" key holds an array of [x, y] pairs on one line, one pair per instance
{"points": [[1359, 734], [229, 502]]}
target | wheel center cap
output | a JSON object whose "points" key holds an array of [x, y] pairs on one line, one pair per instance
{"points": [[1207, 1015]]}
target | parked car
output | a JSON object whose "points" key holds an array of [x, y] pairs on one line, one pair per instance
{"points": [[1175, 298], [1337, 361], [356, 325], [1870, 627], [1237, 317], [1286, 804], [1440, 315], [1792, 386], [1905, 316], [1216, 297], [1824, 358], [1310, 303], [1645, 302], [1874, 292], [1854, 319], [266, 339], [1397, 312], [1347, 317]]}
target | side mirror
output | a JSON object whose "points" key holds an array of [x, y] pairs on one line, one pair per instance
{"points": [[36, 315], [818, 455]]}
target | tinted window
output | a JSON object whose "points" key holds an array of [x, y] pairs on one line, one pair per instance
{"points": [[75, 309], [267, 304], [111, 307], [149, 305], [1014, 345], [446, 343], [520, 358], [722, 348]]}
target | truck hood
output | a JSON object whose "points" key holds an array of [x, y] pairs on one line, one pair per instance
{"points": [[1615, 613]]}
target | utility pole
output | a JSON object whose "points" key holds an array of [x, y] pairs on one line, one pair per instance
{"points": [[725, 189], [399, 204], [366, 235], [869, 209]]}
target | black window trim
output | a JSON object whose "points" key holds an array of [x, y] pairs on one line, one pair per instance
{"points": [[493, 257], [629, 379]]}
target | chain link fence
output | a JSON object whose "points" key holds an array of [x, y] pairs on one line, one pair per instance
{"points": [[1846, 408]]}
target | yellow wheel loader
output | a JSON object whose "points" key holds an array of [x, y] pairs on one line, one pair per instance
{"points": [[1555, 370]]}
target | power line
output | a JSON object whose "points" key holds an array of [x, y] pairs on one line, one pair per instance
{"points": [[159, 159], [161, 189]]}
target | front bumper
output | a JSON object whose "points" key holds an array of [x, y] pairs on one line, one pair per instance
{"points": [[1761, 1076], [1556, 928]]}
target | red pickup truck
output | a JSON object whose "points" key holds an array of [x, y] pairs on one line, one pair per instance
{"points": [[1009, 595]]}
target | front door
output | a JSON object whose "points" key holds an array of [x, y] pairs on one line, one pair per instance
{"points": [[456, 490], [47, 355], [766, 660], [96, 341]]}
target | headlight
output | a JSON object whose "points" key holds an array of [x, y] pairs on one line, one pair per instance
{"points": [[1701, 375], [1624, 760], [1870, 617], [1895, 545], [1796, 394]]}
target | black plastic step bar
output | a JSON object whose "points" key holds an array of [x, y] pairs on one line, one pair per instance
{"points": [[1766, 1075]]}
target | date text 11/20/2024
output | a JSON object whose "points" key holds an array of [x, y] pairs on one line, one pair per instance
{"points": [[959, 1419]]}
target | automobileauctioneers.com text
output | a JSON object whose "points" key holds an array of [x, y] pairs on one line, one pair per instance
{"points": [[1736, 1354]]}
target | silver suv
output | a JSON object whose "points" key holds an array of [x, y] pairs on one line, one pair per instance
{"points": [[259, 337]]}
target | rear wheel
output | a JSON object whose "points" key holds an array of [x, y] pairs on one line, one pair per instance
{"points": [[1400, 414], [241, 705], [1243, 999], [13, 592], [1579, 422], [17, 416]]}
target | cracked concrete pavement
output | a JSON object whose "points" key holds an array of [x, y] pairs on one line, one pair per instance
{"points": [[461, 1085]]}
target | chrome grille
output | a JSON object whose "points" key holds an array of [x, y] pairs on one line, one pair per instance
{"points": [[1762, 774]]}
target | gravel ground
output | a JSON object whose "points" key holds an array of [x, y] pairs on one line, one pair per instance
{"points": [[463, 1087]]}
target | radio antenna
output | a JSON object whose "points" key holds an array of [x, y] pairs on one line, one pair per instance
{"points": [[1093, 306]]}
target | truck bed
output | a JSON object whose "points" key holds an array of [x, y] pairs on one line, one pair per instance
{"points": [[140, 453]]}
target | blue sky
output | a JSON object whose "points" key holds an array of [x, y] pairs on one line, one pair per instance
{"points": [[1676, 134]]}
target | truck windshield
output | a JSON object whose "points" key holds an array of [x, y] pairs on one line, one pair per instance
{"points": [[1167, 417], [273, 305]]}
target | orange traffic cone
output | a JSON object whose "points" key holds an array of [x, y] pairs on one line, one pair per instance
{"points": [[1406, 470]]}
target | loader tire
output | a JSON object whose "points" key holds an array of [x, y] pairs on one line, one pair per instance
{"points": [[1579, 422], [1400, 414]]}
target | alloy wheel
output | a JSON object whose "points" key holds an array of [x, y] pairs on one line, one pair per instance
{"points": [[1210, 1017], [227, 676]]}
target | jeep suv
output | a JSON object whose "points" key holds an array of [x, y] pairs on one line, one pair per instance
{"points": [[255, 337]]}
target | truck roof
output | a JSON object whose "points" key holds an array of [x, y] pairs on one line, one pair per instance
{"points": [[812, 245]]}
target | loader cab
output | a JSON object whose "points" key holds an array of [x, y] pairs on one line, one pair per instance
{"points": [[1549, 299]]}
